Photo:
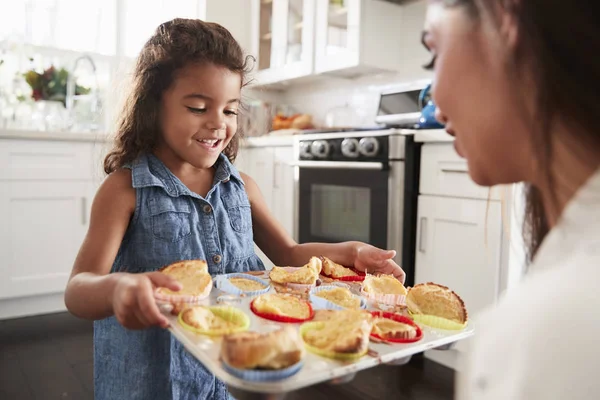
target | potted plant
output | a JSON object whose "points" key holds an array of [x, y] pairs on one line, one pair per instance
{"points": [[49, 91]]}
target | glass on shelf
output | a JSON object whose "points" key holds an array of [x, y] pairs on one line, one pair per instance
{"points": [[265, 49], [294, 31], [337, 27]]}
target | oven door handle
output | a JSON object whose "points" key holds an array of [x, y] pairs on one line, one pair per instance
{"points": [[374, 166]]}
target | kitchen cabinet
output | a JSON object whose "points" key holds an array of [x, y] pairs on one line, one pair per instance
{"points": [[302, 38], [46, 191], [459, 245], [354, 37], [463, 235], [43, 225], [271, 169], [283, 39]]}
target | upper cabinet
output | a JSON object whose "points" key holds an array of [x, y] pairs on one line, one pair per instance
{"points": [[353, 37], [283, 39], [300, 38]]}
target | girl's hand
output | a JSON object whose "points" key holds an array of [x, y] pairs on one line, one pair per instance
{"points": [[371, 259], [133, 300]]}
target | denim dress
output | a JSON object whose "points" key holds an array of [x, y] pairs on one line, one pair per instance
{"points": [[172, 223]]}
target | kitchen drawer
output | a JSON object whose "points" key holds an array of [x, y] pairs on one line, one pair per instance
{"points": [[444, 173], [45, 160]]}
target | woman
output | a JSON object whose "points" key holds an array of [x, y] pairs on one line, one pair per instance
{"points": [[517, 82]]}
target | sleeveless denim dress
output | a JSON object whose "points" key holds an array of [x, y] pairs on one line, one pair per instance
{"points": [[172, 223]]}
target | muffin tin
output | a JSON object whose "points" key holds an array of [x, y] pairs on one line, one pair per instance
{"points": [[315, 369]]}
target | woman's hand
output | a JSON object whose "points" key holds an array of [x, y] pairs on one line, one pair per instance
{"points": [[133, 300], [371, 259]]}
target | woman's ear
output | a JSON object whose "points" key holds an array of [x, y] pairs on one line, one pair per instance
{"points": [[509, 27]]}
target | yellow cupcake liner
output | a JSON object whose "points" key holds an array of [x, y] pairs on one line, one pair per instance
{"points": [[308, 326], [437, 322], [228, 313]]}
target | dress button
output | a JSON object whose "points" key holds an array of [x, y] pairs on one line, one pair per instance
{"points": [[217, 259], [207, 209]]}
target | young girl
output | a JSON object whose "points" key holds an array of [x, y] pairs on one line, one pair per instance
{"points": [[172, 193]]}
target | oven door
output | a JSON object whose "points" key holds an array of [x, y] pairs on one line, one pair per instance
{"points": [[342, 201]]}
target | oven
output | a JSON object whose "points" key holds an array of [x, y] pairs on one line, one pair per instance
{"points": [[352, 186]]}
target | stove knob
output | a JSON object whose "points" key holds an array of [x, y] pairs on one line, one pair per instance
{"points": [[305, 150], [350, 148], [320, 148], [369, 146]]}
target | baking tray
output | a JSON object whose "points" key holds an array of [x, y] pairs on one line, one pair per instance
{"points": [[316, 369]]}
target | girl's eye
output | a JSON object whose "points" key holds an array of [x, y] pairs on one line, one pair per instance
{"points": [[196, 110], [431, 65], [230, 112]]}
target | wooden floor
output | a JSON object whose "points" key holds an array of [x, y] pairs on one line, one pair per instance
{"points": [[50, 357]]}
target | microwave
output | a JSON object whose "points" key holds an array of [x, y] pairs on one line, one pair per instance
{"points": [[399, 105]]}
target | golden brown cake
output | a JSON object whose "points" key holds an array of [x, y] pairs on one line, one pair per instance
{"points": [[284, 305], [383, 284], [335, 270], [340, 296], [193, 276], [390, 329], [247, 285], [273, 350], [203, 318], [344, 331], [437, 300], [307, 274]]}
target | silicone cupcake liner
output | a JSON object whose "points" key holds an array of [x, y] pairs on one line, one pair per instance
{"points": [[263, 375], [308, 326], [283, 318], [390, 299], [398, 318], [222, 283], [228, 313], [437, 322], [359, 278], [321, 303], [179, 299]]}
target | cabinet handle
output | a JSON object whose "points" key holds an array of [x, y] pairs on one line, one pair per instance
{"points": [[83, 211], [422, 234], [275, 179]]}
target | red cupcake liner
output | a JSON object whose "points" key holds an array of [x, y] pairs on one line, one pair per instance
{"points": [[359, 278], [397, 318], [282, 318]]}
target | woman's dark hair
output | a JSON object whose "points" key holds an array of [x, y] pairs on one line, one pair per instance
{"points": [[174, 45], [558, 47]]}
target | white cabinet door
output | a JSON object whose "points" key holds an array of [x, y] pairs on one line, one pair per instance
{"points": [[283, 188], [356, 37], [43, 225], [459, 245], [283, 39], [259, 165]]}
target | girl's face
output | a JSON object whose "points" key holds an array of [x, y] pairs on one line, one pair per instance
{"points": [[198, 115], [476, 97]]}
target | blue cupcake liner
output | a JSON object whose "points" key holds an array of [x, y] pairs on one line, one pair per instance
{"points": [[263, 375], [321, 303], [222, 283]]}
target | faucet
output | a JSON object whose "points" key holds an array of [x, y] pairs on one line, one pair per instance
{"points": [[71, 96]]}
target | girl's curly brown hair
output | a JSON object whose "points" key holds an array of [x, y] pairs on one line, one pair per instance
{"points": [[173, 45]]}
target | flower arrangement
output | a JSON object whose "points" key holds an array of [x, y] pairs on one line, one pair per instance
{"points": [[51, 84]]}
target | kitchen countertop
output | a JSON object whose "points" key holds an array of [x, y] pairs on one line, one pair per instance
{"points": [[433, 135], [261, 141], [54, 135], [424, 136]]}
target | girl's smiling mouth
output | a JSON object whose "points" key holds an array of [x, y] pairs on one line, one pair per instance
{"points": [[209, 144]]}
